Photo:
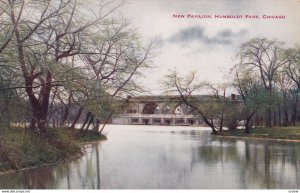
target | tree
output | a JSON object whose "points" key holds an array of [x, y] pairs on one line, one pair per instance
{"points": [[265, 58], [107, 74], [59, 36], [211, 111], [284, 86], [227, 110], [47, 37], [9, 101], [293, 71], [252, 93], [6, 29], [115, 63]]}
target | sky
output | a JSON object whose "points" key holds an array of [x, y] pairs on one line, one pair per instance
{"points": [[207, 45]]}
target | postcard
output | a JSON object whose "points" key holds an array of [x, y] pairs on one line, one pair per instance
{"points": [[149, 94]]}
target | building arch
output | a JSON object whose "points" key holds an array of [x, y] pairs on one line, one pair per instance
{"points": [[182, 109], [157, 110], [166, 110], [178, 110], [149, 108]]}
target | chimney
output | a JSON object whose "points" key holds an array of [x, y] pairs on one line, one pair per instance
{"points": [[233, 97]]}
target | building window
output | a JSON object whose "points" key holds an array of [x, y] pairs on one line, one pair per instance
{"points": [[178, 111], [135, 120], [131, 111], [179, 121], [156, 121], [191, 121]]}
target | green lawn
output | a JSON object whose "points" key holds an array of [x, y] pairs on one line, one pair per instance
{"points": [[292, 133]]}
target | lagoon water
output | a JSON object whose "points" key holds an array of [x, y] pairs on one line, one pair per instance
{"points": [[165, 157]]}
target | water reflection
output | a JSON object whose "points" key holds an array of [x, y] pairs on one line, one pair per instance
{"points": [[260, 164], [144, 157]]}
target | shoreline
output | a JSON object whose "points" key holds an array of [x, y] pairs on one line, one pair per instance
{"points": [[43, 165], [62, 146], [289, 134], [69, 159], [256, 138]]}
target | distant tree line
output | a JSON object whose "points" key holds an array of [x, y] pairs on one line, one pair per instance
{"points": [[266, 80]]}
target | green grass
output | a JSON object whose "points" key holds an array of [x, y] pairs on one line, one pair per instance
{"points": [[20, 148], [292, 133], [89, 136]]}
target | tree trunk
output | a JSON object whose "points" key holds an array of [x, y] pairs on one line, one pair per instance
{"points": [[38, 120], [105, 122], [66, 113], [221, 122], [90, 122], [33, 122], [275, 118], [285, 111], [97, 125], [265, 118], [285, 116], [210, 124], [279, 115], [232, 124], [87, 117], [45, 94], [76, 118], [269, 116], [295, 106], [39, 106], [248, 124], [257, 120]]}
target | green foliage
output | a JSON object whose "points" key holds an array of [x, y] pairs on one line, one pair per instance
{"points": [[12, 108], [232, 114], [292, 133], [67, 55], [252, 92], [265, 75], [89, 136]]}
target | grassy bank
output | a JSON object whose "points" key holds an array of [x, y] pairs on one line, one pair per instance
{"points": [[287, 133], [20, 148]]}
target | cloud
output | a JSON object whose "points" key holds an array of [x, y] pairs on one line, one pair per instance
{"points": [[197, 34], [227, 33], [188, 35]]}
